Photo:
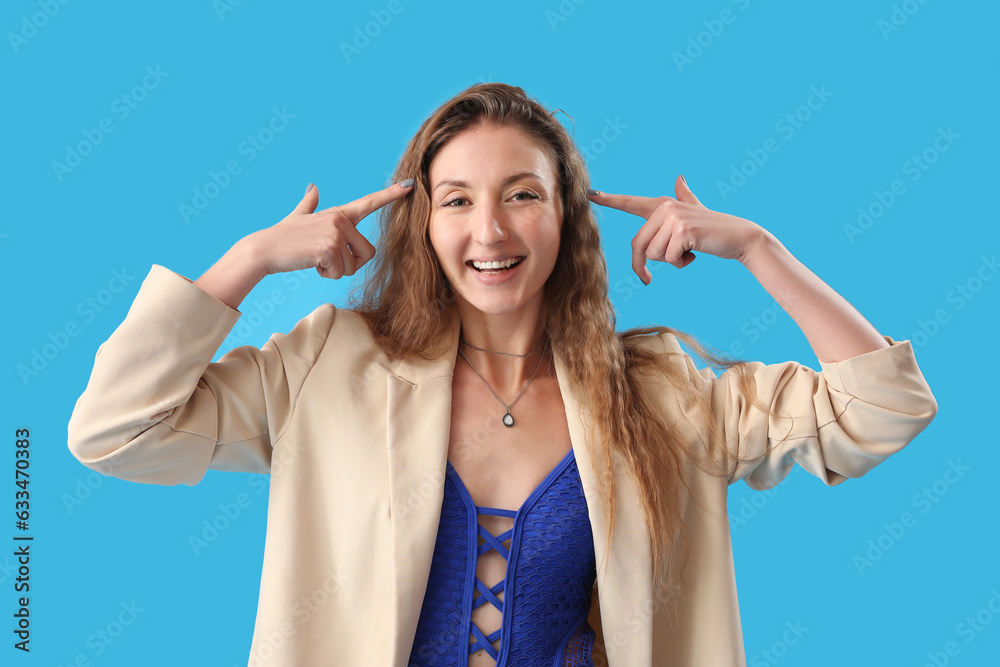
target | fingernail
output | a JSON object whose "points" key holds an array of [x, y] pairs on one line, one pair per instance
{"points": [[684, 179], [591, 192], [408, 183], [309, 188]]}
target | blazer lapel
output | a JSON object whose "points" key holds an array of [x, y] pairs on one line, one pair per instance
{"points": [[624, 576], [419, 425]]}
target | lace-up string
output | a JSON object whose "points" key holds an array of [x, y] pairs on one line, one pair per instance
{"points": [[486, 593]]}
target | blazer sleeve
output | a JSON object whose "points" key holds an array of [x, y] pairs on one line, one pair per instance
{"points": [[837, 423], [158, 410]]}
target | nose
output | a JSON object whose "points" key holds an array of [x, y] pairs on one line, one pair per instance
{"points": [[490, 224]]}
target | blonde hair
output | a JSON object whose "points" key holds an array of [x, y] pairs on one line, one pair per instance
{"points": [[407, 303]]}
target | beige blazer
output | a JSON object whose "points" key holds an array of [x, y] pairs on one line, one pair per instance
{"points": [[356, 447]]}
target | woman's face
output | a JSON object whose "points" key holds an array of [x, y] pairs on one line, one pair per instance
{"points": [[495, 198]]}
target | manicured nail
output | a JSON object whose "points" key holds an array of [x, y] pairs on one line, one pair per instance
{"points": [[309, 188], [591, 192], [408, 183]]}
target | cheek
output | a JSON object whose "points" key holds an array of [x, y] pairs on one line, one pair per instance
{"points": [[546, 226], [434, 234], [443, 245], [540, 216]]}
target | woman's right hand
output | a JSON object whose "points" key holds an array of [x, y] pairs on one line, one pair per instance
{"points": [[328, 239]]}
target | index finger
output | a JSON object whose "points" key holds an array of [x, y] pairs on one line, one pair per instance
{"points": [[359, 209], [634, 204]]}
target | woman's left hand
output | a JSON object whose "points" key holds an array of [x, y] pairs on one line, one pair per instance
{"points": [[675, 228]]}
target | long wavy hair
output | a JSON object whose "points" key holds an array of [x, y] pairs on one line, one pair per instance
{"points": [[407, 303]]}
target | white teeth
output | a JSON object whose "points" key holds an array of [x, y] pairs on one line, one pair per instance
{"points": [[495, 265]]}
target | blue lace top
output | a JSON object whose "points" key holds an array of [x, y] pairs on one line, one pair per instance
{"points": [[550, 573]]}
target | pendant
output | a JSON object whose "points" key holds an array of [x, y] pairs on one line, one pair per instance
{"points": [[508, 420]]}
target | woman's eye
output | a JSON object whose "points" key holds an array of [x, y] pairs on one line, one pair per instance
{"points": [[450, 202]]}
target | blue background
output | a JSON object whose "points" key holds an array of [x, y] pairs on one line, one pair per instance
{"points": [[644, 115]]}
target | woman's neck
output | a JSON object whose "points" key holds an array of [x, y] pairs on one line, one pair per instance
{"points": [[504, 333]]}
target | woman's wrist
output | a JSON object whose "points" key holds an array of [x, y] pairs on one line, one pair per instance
{"points": [[235, 274], [761, 243]]}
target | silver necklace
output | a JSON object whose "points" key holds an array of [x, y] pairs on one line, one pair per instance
{"points": [[508, 419], [506, 354]]}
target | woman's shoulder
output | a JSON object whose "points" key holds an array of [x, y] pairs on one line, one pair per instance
{"points": [[658, 351], [327, 330], [653, 339], [346, 325]]}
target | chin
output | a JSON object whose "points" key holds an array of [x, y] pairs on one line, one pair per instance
{"points": [[495, 304]]}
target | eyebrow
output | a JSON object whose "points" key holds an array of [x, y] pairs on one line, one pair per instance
{"points": [[507, 181]]}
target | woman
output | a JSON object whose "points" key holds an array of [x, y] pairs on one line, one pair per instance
{"points": [[472, 466]]}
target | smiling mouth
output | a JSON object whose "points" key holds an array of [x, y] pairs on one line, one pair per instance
{"points": [[495, 267]]}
